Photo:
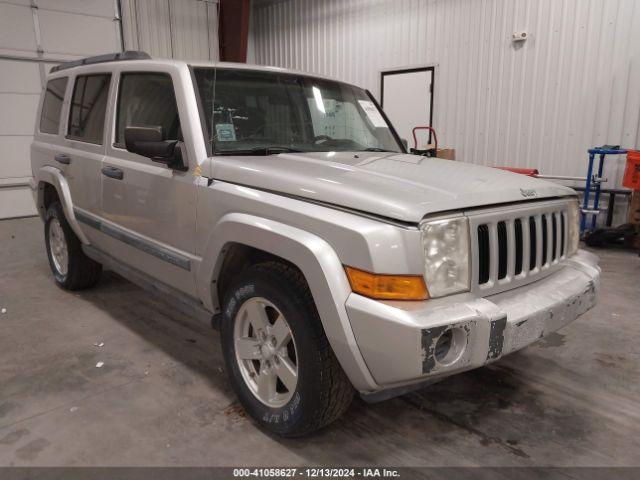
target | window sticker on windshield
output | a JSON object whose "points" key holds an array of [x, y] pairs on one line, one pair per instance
{"points": [[225, 132], [372, 113]]}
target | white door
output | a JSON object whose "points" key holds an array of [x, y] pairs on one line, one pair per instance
{"points": [[406, 98], [34, 36]]}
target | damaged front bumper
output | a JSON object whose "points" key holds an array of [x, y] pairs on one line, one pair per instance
{"points": [[409, 343]]}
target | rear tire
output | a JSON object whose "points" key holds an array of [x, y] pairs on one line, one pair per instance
{"points": [[72, 269], [319, 392]]}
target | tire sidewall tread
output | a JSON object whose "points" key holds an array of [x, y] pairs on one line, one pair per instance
{"points": [[82, 272], [322, 390]]}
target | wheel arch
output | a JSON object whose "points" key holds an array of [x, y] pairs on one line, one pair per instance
{"points": [[49, 181], [240, 235], [236, 257]]}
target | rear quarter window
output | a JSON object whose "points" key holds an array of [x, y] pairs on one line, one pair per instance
{"points": [[52, 105]]}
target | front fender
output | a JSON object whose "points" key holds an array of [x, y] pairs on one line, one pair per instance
{"points": [[54, 177], [319, 264]]}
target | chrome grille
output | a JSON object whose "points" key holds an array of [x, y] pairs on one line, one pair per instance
{"points": [[516, 246]]}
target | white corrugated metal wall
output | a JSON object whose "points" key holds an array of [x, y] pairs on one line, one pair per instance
{"points": [[181, 29], [573, 84]]}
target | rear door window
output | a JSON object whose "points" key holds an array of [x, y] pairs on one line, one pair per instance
{"points": [[52, 105], [145, 100], [88, 108]]}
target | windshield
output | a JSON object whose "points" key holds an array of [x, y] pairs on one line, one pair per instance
{"points": [[252, 112]]}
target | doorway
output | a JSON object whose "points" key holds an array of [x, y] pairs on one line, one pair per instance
{"points": [[406, 96]]}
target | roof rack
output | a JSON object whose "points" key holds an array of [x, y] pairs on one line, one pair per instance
{"points": [[107, 57]]}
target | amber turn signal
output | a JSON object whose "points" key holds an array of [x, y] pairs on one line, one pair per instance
{"points": [[387, 287]]}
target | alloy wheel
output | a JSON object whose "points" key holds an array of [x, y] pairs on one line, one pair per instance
{"points": [[266, 352], [58, 247]]}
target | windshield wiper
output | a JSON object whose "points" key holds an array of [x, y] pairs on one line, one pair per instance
{"points": [[274, 150], [376, 149]]}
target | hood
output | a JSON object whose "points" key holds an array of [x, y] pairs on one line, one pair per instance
{"points": [[398, 186]]}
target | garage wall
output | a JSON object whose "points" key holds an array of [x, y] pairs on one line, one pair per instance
{"points": [[572, 85], [183, 29], [35, 35]]}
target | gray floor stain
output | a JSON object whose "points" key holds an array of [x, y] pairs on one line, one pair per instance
{"points": [[608, 360], [205, 414], [32, 449], [554, 339], [6, 407], [13, 437]]}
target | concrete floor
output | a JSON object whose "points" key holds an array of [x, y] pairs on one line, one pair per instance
{"points": [[162, 397]]}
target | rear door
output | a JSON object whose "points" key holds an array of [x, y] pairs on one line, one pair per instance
{"points": [[84, 149], [148, 207], [70, 137], [50, 126]]}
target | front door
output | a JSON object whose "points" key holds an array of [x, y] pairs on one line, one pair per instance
{"points": [[149, 209]]}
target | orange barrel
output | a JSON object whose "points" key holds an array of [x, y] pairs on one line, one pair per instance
{"points": [[632, 172]]}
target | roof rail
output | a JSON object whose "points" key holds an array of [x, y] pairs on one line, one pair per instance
{"points": [[107, 57]]}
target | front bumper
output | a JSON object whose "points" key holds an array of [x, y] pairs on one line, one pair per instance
{"points": [[398, 339]]}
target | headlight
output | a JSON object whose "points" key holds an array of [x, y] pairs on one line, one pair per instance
{"points": [[573, 217], [446, 253]]}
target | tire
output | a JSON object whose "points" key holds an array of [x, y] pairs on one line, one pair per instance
{"points": [[73, 271], [322, 391]]}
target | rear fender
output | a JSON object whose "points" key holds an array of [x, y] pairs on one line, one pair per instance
{"points": [[53, 176]]}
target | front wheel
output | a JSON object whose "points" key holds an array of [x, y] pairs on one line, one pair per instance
{"points": [[279, 360]]}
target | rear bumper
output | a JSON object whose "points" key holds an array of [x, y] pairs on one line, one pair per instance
{"points": [[399, 340]]}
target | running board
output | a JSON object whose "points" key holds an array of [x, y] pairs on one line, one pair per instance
{"points": [[186, 304]]}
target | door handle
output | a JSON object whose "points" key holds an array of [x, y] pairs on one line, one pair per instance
{"points": [[62, 158], [113, 172]]}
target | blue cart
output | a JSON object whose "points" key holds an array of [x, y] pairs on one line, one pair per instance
{"points": [[593, 183]]}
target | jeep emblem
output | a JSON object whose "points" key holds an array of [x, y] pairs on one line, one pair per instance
{"points": [[528, 193]]}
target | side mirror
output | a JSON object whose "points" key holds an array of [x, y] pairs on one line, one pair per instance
{"points": [[148, 142], [405, 143]]}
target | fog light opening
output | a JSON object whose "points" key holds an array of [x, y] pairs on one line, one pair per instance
{"points": [[450, 346]]}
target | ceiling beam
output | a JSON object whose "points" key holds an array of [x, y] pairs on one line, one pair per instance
{"points": [[234, 30]]}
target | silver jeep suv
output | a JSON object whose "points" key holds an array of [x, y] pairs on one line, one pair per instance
{"points": [[284, 209]]}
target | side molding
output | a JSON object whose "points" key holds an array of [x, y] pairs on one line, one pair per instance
{"points": [[54, 176], [319, 264], [136, 241]]}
